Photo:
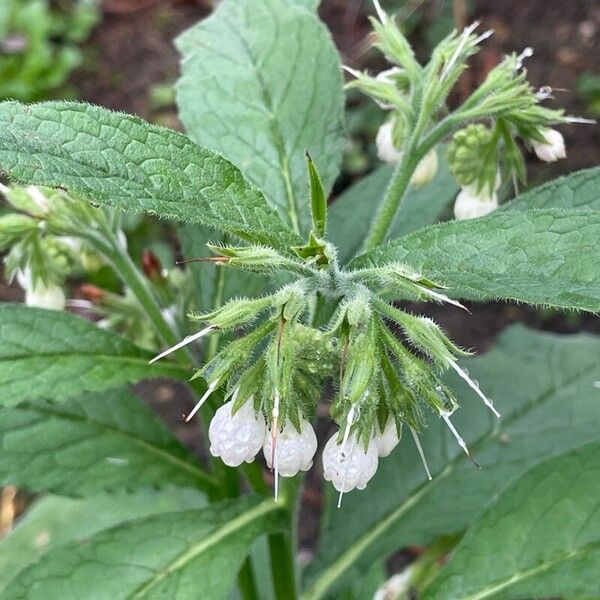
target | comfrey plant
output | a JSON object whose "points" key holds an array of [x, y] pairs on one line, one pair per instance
{"points": [[296, 315]]}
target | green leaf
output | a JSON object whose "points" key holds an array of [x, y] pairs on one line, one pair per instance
{"points": [[261, 83], [578, 190], [119, 160], [542, 386], [545, 257], [175, 555], [52, 354], [318, 201], [310, 4], [103, 441], [541, 538], [352, 213], [53, 521]]}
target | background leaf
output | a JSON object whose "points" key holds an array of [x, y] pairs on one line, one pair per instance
{"points": [[119, 160], [53, 521], [93, 442], [352, 213], [52, 354], [543, 386], [187, 554], [261, 83], [546, 257], [540, 539], [578, 190]]}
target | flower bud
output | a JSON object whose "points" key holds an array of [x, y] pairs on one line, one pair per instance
{"points": [[42, 296], [426, 169], [553, 148], [351, 466], [236, 438], [295, 451], [386, 150], [470, 206], [385, 441]]}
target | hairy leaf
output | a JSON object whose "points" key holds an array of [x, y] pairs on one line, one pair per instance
{"points": [[578, 190], [546, 257], [540, 539], [53, 521], [52, 354], [102, 441], [119, 160], [261, 84], [181, 555], [542, 385], [352, 213]]}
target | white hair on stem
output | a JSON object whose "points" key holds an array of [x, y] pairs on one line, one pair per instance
{"points": [[461, 442], [421, 453], [380, 12], [349, 421], [184, 342], [474, 386]]}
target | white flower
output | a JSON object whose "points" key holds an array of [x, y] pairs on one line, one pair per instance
{"points": [[426, 169], [236, 438], [295, 451], [43, 296], [385, 441], [350, 467], [469, 205], [386, 151], [553, 148]]}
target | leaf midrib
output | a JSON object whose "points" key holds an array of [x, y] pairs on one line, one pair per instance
{"points": [[211, 540], [345, 560]]}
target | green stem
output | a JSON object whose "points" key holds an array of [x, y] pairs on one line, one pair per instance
{"points": [[247, 581], [282, 546]]}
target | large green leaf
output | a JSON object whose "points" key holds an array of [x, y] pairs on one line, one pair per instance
{"points": [[261, 84], [52, 354], [119, 160], [546, 257], [352, 213], [540, 539], [53, 521], [184, 555], [543, 386], [102, 441], [579, 190]]}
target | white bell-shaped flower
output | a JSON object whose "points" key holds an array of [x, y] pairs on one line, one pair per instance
{"points": [[469, 205], [386, 151], [45, 296], [236, 438], [295, 451], [385, 441], [349, 466], [553, 148], [426, 169]]}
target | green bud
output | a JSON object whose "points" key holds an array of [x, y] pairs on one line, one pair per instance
{"points": [[235, 313], [292, 300], [14, 226], [259, 259]]}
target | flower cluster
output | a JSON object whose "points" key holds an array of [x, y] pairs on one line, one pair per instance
{"points": [[501, 111]]}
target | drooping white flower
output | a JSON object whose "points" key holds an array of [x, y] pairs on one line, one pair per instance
{"points": [[45, 296], [386, 150], [426, 169], [349, 466], [469, 205], [385, 441], [236, 438], [553, 148], [295, 451]]}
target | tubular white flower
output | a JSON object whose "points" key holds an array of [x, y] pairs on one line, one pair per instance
{"points": [[351, 468], [426, 169], [385, 441], [553, 148], [386, 151], [470, 206], [295, 451], [42, 296], [236, 438]]}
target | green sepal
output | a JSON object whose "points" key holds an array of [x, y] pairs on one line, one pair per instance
{"points": [[316, 251], [318, 200]]}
